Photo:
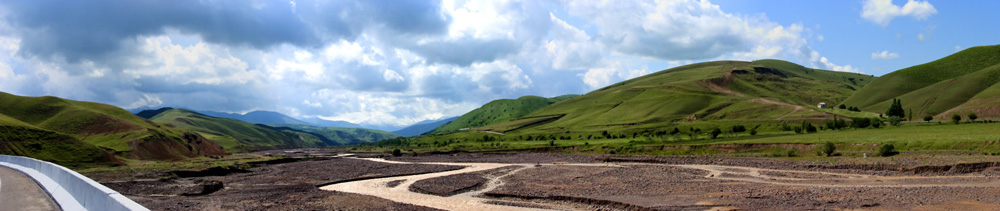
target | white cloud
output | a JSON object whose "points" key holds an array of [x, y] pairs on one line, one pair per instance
{"points": [[820, 38], [921, 37], [885, 55], [882, 12], [611, 73]]}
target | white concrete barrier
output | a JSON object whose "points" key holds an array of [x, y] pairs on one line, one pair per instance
{"points": [[71, 190]]}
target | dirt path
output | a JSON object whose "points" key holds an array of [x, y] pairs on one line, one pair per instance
{"points": [[471, 201]]}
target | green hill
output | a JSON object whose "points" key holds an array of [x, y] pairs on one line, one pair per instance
{"points": [[67, 132], [705, 94], [239, 136], [959, 83], [498, 111], [344, 136]]}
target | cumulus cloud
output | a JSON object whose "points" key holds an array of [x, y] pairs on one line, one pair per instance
{"points": [[374, 62], [882, 12], [886, 55]]}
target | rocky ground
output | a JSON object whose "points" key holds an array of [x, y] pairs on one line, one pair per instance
{"points": [[288, 186], [458, 183], [608, 182], [647, 187]]}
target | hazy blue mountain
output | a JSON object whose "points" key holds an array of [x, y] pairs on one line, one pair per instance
{"points": [[423, 127]]}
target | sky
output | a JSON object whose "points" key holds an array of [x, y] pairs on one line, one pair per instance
{"points": [[398, 62]]}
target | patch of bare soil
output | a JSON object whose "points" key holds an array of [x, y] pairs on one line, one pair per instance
{"points": [[666, 187], [524, 157], [458, 183], [287, 186]]}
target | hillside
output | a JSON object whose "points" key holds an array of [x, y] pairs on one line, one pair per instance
{"points": [[343, 136], [67, 131], [709, 94], [960, 83], [498, 111], [239, 136], [423, 127], [257, 117]]}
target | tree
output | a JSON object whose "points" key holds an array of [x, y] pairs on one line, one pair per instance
{"points": [[716, 132], [928, 118], [896, 109], [827, 148], [842, 106], [956, 118], [973, 117], [910, 117]]}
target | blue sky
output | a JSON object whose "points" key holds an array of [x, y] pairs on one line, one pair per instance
{"points": [[394, 63]]}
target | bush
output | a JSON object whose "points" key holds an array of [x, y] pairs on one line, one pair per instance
{"points": [[753, 131], [956, 118], [895, 120], [397, 153], [739, 129], [827, 148], [928, 118], [797, 129], [973, 117], [860, 122], [842, 106], [809, 127], [886, 150], [716, 132]]}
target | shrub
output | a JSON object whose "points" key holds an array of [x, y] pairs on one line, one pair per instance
{"points": [[928, 118], [797, 129], [716, 132], [842, 106], [886, 150], [956, 118], [860, 122], [827, 148], [739, 129], [973, 117], [753, 131], [809, 128], [397, 153], [894, 120]]}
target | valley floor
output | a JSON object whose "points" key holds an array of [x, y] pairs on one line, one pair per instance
{"points": [[559, 181]]}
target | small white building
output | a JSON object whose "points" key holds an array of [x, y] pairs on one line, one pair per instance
{"points": [[821, 105]]}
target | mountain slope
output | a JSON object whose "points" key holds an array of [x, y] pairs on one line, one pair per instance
{"points": [[958, 83], [721, 91], [344, 136], [423, 127], [239, 136], [258, 117], [498, 111], [45, 120]]}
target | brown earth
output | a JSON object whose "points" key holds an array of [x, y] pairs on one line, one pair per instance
{"points": [[288, 186], [910, 182], [458, 183]]}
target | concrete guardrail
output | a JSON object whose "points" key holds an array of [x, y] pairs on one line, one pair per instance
{"points": [[71, 190]]}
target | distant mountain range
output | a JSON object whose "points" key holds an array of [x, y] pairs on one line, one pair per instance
{"points": [[423, 127]]}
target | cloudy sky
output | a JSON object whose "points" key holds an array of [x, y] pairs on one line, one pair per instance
{"points": [[396, 62]]}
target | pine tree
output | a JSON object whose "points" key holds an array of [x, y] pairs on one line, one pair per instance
{"points": [[896, 109]]}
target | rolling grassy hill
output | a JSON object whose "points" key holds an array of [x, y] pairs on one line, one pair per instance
{"points": [[498, 111], [343, 136], [67, 132], [700, 95], [239, 136], [960, 83]]}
